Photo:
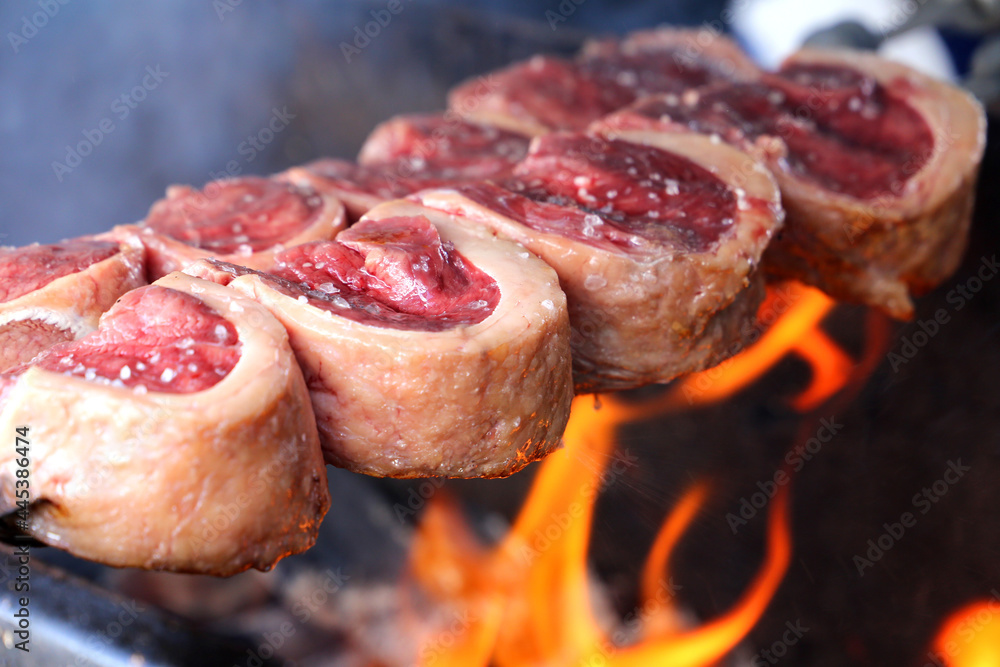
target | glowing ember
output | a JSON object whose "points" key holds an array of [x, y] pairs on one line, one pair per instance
{"points": [[970, 637], [530, 594]]}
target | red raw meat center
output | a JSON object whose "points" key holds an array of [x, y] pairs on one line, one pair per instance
{"points": [[613, 192], [24, 270], [156, 337], [395, 272], [843, 129], [241, 215]]}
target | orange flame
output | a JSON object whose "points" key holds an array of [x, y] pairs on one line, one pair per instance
{"points": [[528, 598], [970, 637], [530, 594], [796, 312]]}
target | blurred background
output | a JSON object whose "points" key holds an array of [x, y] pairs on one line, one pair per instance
{"points": [[107, 102]]}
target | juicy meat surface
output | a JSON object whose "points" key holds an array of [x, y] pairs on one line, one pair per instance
{"points": [[359, 187], [443, 146], [876, 165], [246, 214], [655, 237], [397, 273], [410, 153], [613, 192], [24, 270], [841, 129], [865, 140], [643, 73], [160, 339], [665, 59], [23, 339], [446, 394], [56, 293], [242, 220], [201, 457], [374, 181], [546, 93]]}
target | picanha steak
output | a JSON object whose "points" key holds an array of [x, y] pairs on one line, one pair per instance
{"points": [[546, 93], [178, 436], [656, 238], [587, 224], [57, 292], [431, 348], [244, 220], [443, 146], [876, 163], [409, 153]]}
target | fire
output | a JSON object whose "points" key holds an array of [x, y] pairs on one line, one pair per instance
{"points": [[527, 600], [970, 637], [530, 594], [790, 316]]}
